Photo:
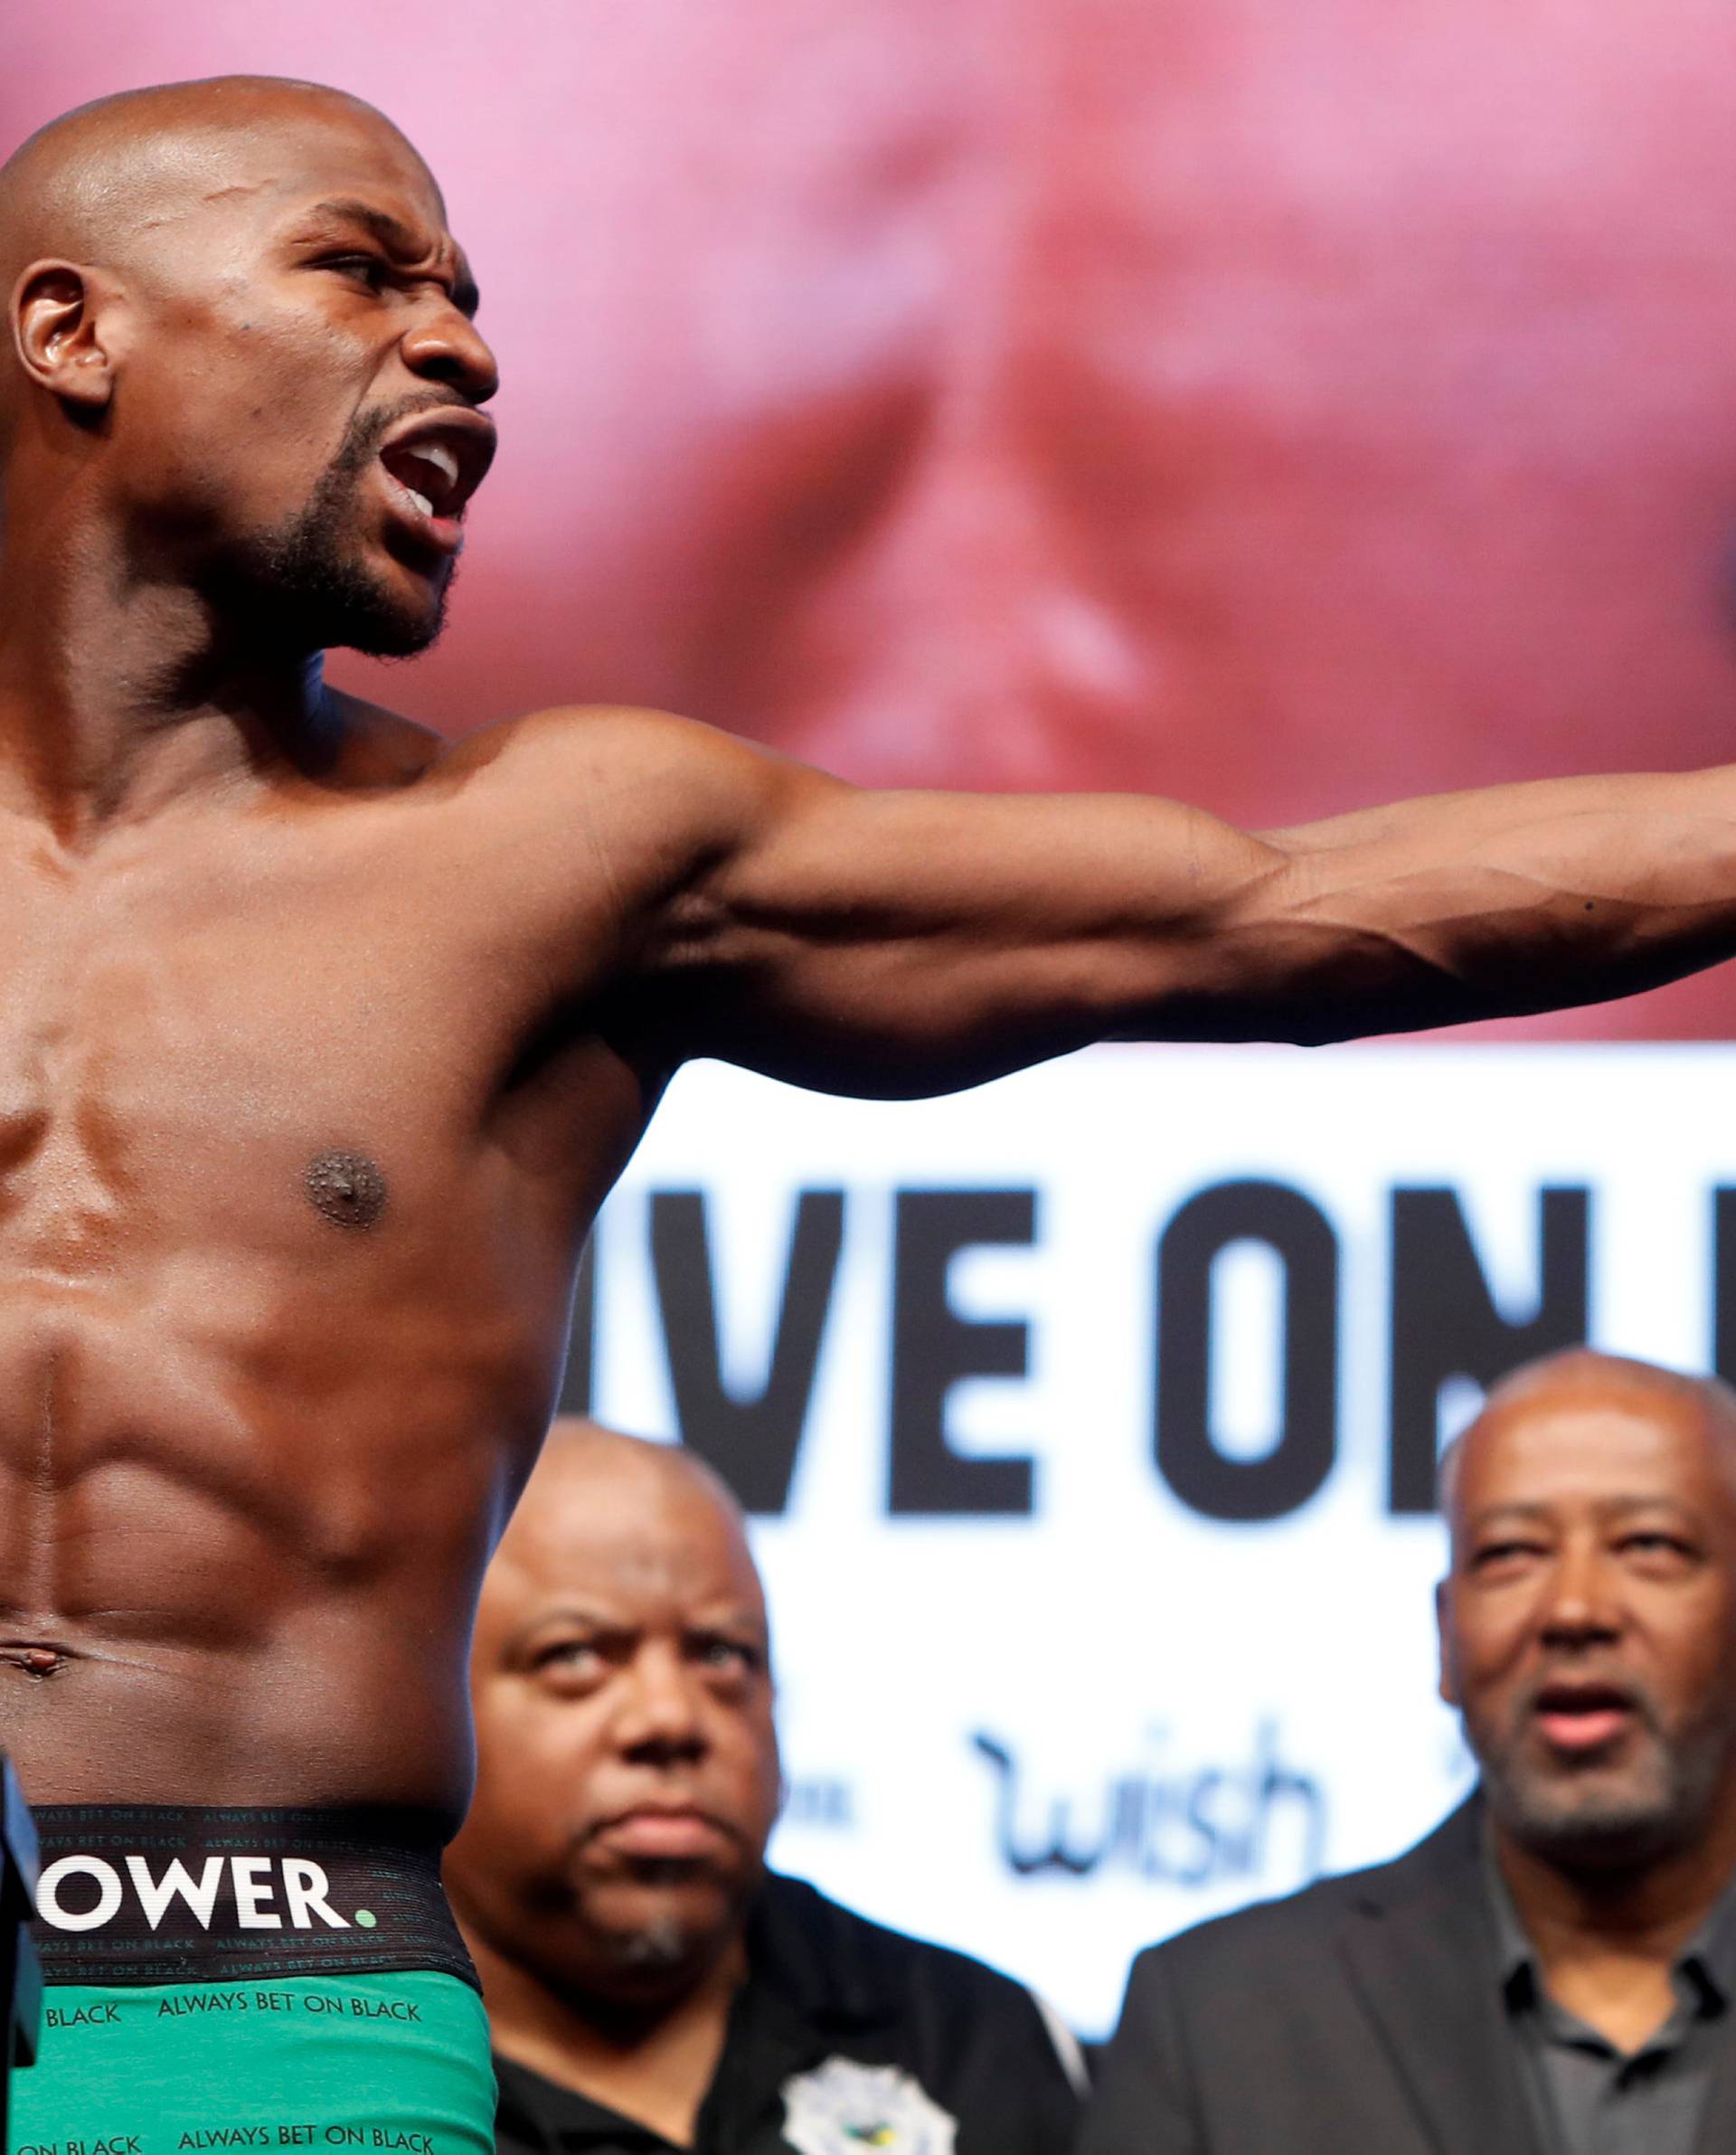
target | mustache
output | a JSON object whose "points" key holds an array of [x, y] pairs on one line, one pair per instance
{"points": [[367, 429]]}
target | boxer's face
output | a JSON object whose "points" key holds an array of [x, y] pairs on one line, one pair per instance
{"points": [[628, 1762], [1589, 1623], [295, 368]]}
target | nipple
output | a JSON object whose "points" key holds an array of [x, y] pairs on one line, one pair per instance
{"points": [[348, 1187]]}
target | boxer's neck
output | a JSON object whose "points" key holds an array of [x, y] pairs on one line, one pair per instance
{"points": [[120, 694]]}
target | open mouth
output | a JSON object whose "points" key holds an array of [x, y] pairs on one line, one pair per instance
{"points": [[1580, 1718], [435, 463]]}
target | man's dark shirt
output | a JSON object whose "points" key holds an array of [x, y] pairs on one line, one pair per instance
{"points": [[1363, 2016], [1593, 2099], [856, 2030]]}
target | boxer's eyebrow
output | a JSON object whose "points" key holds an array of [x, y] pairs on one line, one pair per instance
{"points": [[403, 243], [391, 231]]}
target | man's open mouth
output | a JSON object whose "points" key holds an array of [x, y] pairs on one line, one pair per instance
{"points": [[1577, 1717], [436, 461]]}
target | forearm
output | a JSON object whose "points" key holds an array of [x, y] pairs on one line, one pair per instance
{"points": [[901, 943], [1480, 905]]}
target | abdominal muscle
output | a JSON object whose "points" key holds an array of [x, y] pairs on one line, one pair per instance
{"points": [[241, 1568]]}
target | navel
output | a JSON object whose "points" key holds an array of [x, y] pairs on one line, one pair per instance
{"points": [[38, 1661], [346, 1186]]}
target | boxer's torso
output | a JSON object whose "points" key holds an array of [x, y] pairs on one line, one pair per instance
{"points": [[306, 1102]]}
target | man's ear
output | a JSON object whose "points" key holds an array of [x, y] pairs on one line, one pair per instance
{"points": [[57, 324], [1446, 1683]]}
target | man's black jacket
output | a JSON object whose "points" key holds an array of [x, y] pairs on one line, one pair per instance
{"points": [[1362, 2017], [850, 2031]]}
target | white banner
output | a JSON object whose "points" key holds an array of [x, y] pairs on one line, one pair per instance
{"points": [[1088, 1422]]}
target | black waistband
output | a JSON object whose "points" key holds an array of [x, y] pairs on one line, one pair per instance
{"points": [[171, 1893]]}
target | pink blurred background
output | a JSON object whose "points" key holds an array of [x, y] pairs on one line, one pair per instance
{"points": [[1278, 406]]}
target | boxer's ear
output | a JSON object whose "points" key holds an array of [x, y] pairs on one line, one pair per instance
{"points": [[62, 324]]}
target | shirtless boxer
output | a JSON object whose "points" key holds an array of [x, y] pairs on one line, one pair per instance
{"points": [[321, 1043]]}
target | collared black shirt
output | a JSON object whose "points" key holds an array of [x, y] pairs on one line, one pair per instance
{"points": [[844, 2032], [1593, 2099]]}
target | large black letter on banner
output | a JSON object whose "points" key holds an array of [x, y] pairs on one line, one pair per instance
{"points": [[1723, 1284], [934, 1349], [752, 1443], [580, 1378], [1188, 1458], [1445, 1323]]}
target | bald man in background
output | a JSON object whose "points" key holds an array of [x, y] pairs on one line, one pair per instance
{"points": [[1553, 1970], [324, 1040], [650, 1986]]}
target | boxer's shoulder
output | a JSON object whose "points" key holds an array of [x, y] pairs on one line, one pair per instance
{"points": [[571, 805], [656, 795], [611, 742]]}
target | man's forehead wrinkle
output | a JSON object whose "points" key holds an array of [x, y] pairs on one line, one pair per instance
{"points": [[560, 1598], [194, 205], [1607, 1504], [236, 191]]}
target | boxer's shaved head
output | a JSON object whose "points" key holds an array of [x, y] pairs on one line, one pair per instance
{"points": [[1588, 1619], [103, 182], [224, 296]]}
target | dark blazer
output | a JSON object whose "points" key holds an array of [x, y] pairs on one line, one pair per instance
{"points": [[1361, 2017]]}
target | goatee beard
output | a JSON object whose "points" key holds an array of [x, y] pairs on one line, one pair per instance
{"points": [[305, 588]]}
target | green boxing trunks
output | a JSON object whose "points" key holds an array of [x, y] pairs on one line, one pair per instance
{"points": [[249, 1978]]}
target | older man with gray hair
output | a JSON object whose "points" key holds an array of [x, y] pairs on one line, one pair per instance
{"points": [[1554, 1969]]}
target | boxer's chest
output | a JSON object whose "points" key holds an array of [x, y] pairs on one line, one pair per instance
{"points": [[257, 1050]]}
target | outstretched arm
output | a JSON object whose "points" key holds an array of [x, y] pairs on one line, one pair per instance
{"points": [[906, 942]]}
